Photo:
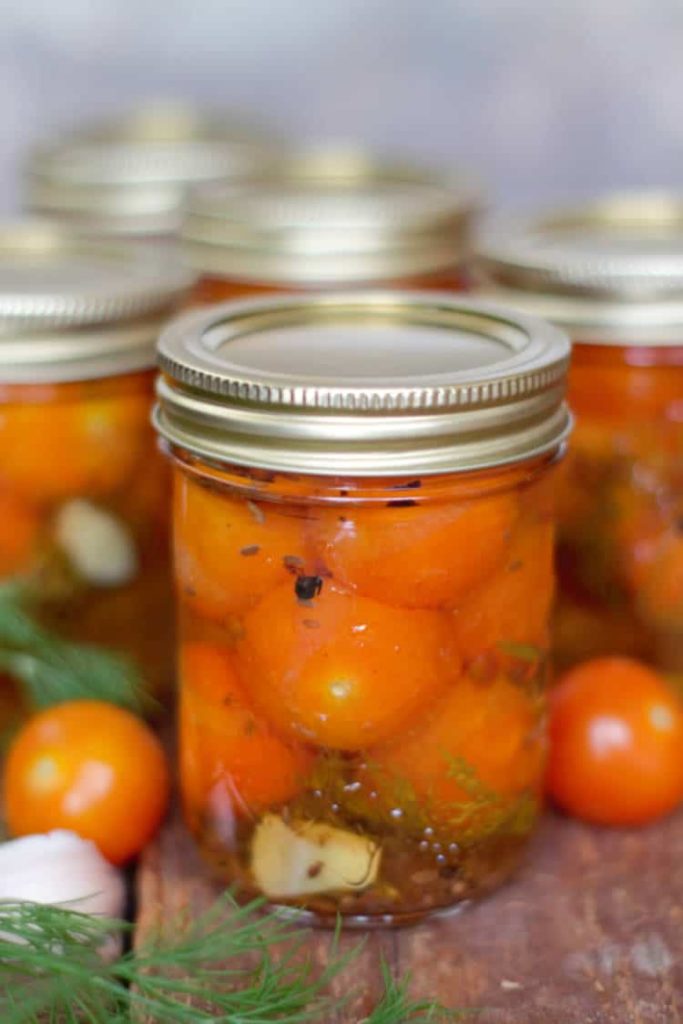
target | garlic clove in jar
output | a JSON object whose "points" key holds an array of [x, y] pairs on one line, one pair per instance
{"points": [[99, 547], [305, 857]]}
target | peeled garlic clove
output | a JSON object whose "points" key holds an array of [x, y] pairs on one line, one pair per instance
{"points": [[66, 871], [98, 546], [306, 857]]}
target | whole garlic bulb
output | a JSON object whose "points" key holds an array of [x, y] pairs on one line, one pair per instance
{"points": [[62, 869]]}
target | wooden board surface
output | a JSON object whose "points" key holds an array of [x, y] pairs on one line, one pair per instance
{"points": [[590, 931]]}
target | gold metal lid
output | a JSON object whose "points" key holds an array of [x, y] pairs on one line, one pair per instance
{"points": [[129, 175], [331, 215], [71, 309], [364, 383], [608, 271]]}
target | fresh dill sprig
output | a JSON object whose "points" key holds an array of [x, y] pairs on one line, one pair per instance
{"points": [[235, 965], [396, 1005], [51, 670]]}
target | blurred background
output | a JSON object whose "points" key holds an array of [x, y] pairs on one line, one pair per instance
{"points": [[546, 100]]}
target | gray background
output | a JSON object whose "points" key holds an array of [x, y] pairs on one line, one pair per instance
{"points": [[544, 99]]}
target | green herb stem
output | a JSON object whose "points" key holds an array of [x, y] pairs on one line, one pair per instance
{"points": [[51, 670], [235, 965]]}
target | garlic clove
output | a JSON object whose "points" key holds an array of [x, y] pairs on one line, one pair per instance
{"points": [[303, 858], [64, 870], [98, 546], [59, 867]]}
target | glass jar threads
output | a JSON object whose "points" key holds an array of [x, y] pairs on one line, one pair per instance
{"points": [[128, 176], [83, 491], [363, 548], [330, 219], [611, 274]]}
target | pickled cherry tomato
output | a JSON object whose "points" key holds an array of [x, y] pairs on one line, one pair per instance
{"points": [[636, 530], [514, 605], [230, 758], [231, 552], [417, 556], [19, 529], [341, 670], [50, 451], [483, 740], [660, 598]]}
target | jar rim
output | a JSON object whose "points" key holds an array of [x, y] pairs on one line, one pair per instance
{"points": [[374, 383], [128, 175], [332, 214], [614, 264], [72, 309]]}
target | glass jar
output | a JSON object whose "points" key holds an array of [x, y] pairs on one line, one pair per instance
{"points": [[330, 219], [83, 490], [127, 176], [611, 274], [363, 546]]}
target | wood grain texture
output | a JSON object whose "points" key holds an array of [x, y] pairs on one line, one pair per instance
{"points": [[590, 931]]}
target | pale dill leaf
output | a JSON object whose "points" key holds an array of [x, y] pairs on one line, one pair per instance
{"points": [[51, 670]]}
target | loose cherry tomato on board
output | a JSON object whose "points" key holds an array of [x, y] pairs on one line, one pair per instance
{"points": [[89, 767], [616, 743]]}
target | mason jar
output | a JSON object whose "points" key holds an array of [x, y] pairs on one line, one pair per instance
{"points": [[330, 218], [127, 176], [83, 490], [611, 273], [363, 523]]}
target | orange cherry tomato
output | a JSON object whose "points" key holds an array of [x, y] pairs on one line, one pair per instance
{"points": [[231, 761], [19, 530], [636, 531], [660, 599], [230, 552], [606, 382], [513, 607], [341, 670], [53, 450], [89, 767], [482, 739], [616, 736], [418, 556]]}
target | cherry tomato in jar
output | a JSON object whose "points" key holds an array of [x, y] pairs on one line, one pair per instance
{"points": [[231, 761], [87, 446], [616, 742], [660, 599], [230, 552], [340, 670], [476, 751], [89, 767], [513, 607], [19, 532], [416, 556]]}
